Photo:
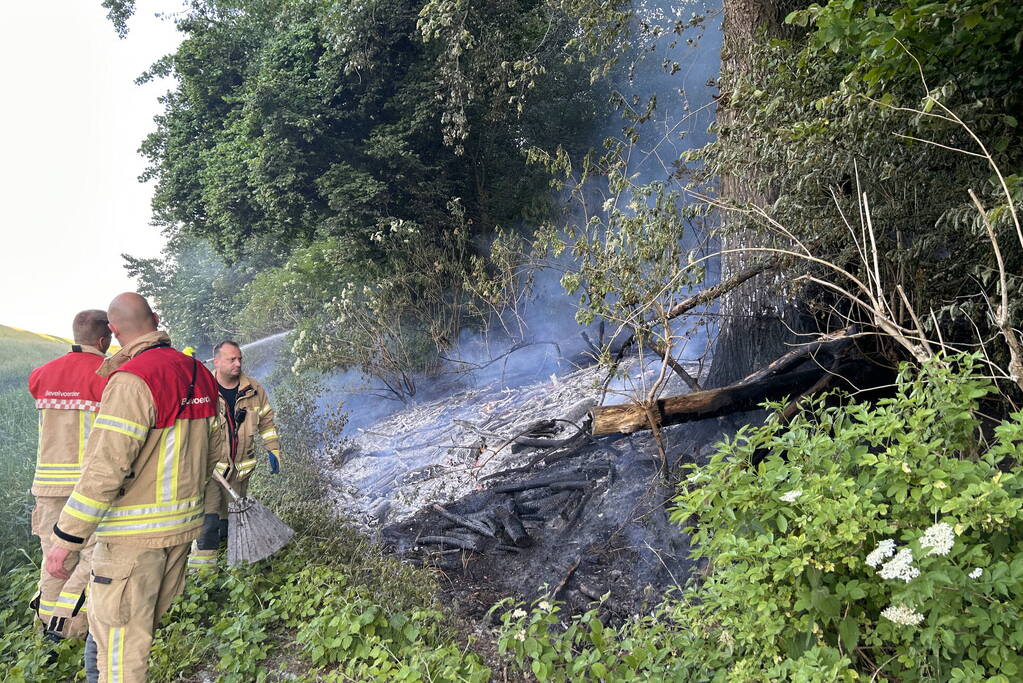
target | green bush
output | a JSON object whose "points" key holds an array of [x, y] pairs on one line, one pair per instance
{"points": [[914, 488]]}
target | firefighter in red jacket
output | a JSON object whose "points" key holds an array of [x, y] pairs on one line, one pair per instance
{"points": [[142, 491], [67, 393]]}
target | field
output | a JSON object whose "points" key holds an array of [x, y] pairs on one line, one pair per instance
{"points": [[20, 352]]}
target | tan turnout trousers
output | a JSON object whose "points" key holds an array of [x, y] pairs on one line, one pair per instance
{"points": [[61, 603], [132, 587]]}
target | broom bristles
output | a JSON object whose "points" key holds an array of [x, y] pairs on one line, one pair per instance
{"points": [[254, 532]]}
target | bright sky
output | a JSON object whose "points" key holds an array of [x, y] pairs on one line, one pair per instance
{"points": [[71, 123]]}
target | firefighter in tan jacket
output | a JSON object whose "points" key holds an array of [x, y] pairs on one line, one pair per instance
{"points": [[148, 463], [67, 392], [248, 414]]}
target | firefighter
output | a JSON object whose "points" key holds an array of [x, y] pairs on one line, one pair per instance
{"points": [[248, 414], [149, 458], [67, 393]]}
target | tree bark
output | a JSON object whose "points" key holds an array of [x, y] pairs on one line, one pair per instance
{"points": [[756, 323]]}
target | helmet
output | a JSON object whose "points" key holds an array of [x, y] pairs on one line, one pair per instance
{"points": [[188, 350]]}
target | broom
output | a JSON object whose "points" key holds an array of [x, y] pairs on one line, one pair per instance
{"points": [[253, 532]]}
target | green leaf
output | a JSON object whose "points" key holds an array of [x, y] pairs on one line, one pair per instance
{"points": [[825, 602], [849, 632]]}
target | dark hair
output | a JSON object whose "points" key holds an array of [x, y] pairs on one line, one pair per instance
{"points": [[90, 326], [226, 342]]}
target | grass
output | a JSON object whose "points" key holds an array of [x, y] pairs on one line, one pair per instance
{"points": [[20, 353]]}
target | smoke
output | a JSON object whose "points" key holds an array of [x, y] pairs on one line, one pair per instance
{"points": [[676, 69]]}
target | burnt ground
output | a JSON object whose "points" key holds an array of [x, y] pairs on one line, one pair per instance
{"points": [[587, 519]]}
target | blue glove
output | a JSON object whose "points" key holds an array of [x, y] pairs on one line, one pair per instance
{"points": [[272, 459]]}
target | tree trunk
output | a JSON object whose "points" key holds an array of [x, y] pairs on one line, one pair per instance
{"points": [[757, 324]]}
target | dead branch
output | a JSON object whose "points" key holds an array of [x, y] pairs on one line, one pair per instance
{"points": [[471, 525]]}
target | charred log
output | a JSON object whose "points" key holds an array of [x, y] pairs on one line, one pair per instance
{"points": [[629, 418]]}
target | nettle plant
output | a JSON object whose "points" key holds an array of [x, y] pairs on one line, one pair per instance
{"points": [[888, 532]]}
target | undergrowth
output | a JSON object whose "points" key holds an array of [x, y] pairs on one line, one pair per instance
{"points": [[875, 542]]}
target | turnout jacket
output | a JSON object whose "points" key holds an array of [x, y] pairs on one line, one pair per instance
{"points": [[252, 415], [153, 447], [67, 391]]}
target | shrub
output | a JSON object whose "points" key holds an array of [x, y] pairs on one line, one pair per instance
{"points": [[879, 539]]}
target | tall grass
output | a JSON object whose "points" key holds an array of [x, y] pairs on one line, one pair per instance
{"points": [[20, 352]]}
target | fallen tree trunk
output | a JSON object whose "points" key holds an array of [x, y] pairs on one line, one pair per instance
{"points": [[700, 405], [831, 344]]}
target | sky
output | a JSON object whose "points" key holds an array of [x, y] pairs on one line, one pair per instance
{"points": [[71, 122]]}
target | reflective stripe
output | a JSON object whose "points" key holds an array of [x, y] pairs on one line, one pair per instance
{"points": [[54, 480], [167, 465], [221, 467], [132, 528], [68, 600], [56, 474], [115, 655], [58, 467], [121, 426], [136, 512], [246, 466], [85, 508], [269, 434], [84, 429], [46, 607], [265, 409], [202, 560]]}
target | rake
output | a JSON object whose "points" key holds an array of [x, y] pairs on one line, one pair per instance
{"points": [[253, 532]]}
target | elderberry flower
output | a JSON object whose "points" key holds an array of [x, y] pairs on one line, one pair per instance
{"points": [[544, 605], [883, 551], [939, 538], [519, 613], [791, 496], [900, 567], [902, 615], [975, 574]]}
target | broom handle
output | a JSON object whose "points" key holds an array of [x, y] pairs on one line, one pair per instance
{"points": [[223, 482]]}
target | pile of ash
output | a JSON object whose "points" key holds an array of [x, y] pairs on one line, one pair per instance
{"points": [[505, 491]]}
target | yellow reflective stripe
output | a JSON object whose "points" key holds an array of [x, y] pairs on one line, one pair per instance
{"points": [[86, 428], [105, 529], [85, 508], [54, 480], [121, 426], [202, 560], [265, 409], [178, 504], [167, 464], [68, 600], [81, 435], [221, 467], [269, 434], [59, 466], [118, 514], [115, 655]]}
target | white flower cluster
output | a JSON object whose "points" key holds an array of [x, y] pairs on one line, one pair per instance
{"points": [[883, 551], [975, 574], [939, 538], [900, 567], [902, 615], [791, 496]]}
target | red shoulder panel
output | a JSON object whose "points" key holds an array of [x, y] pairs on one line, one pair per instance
{"points": [[167, 372], [69, 382]]}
